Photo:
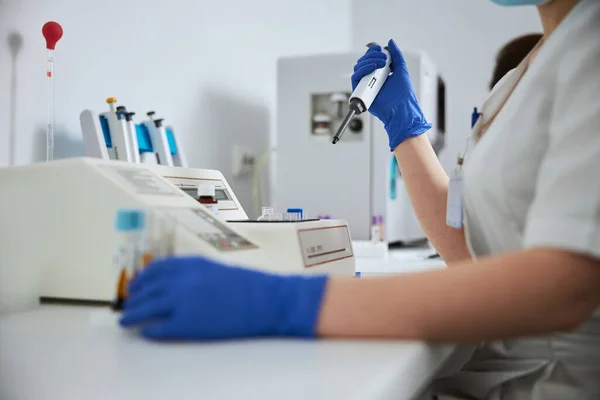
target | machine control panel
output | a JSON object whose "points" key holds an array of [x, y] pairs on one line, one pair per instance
{"points": [[140, 180], [323, 245], [211, 230]]}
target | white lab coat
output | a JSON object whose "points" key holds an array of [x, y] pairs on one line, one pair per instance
{"points": [[533, 179]]}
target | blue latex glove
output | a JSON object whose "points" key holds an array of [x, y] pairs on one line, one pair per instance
{"points": [[194, 298], [396, 104]]}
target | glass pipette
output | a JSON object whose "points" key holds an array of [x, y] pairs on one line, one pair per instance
{"points": [[52, 32]]}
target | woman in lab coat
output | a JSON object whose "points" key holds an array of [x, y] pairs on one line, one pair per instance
{"points": [[524, 259]]}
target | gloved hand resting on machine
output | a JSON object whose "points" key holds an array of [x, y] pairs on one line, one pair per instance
{"points": [[193, 298], [396, 104]]}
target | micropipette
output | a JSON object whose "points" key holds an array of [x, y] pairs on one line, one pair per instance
{"points": [[52, 32], [158, 136], [135, 148], [365, 92]]}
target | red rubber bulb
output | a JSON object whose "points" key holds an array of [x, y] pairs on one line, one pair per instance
{"points": [[52, 31]]}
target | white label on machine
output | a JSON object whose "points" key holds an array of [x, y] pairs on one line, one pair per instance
{"points": [[323, 245], [142, 181], [204, 225]]}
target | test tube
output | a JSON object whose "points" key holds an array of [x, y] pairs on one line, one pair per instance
{"points": [[295, 214], [146, 254], [375, 229], [291, 216], [131, 224], [381, 224], [166, 242]]}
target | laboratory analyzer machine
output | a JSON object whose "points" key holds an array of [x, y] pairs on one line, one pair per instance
{"points": [[70, 239]]}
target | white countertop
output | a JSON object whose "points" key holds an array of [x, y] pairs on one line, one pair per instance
{"points": [[399, 261], [70, 352]]}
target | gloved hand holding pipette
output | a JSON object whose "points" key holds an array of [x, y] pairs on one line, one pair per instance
{"points": [[193, 298], [396, 104]]}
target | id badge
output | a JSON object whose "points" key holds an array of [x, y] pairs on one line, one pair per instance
{"points": [[454, 205]]}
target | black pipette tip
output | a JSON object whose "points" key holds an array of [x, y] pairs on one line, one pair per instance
{"points": [[344, 124]]}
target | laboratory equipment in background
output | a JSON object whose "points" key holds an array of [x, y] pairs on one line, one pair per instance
{"points": [[70, 235], [114, 135], [322, 124], [357, 178], [52, 32]]}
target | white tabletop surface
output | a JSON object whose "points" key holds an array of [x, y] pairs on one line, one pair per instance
{"points": [[399, 261], [70, 352]]}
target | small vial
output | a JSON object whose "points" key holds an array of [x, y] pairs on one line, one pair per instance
{"points": [[293, 217], [375, 229], [206, 197], [131, 224], [295, 214], [381, 224], [267, 214]]}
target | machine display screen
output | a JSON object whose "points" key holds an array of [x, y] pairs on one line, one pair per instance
{"points": [[220, 194], [210, 229]]}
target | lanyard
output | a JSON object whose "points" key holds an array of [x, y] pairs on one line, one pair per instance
{"points": [[454, 204]]}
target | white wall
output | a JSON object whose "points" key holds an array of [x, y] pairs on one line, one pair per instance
{"points": [[461, 36], [208, 67]]}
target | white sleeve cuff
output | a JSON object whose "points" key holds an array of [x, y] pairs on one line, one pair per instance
{"points": [[564, 233]]}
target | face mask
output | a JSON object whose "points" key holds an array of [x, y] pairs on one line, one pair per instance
{"points": [[520, 2]]}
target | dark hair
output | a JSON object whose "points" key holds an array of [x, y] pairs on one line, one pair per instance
{"points": [[511, 55]]}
